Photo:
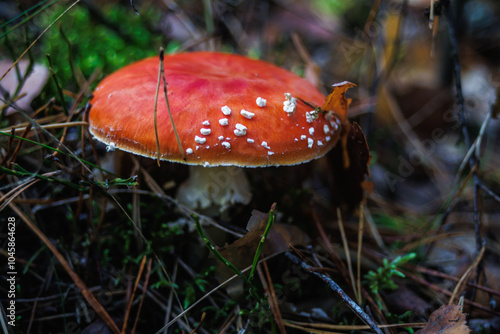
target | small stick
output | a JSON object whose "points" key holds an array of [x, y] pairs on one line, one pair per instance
{"points": [[347, 254], [361, 228], [144, 290], [431, 15], [448, 293], [183, 313], [156, 107], [9, 150], [50, 126], [306, 326], [460, 285], [58, 85], [133, 7], [168, 106], [335, 287], [489, 191], [268, 286], [474, 159], [130, 302], [331, 251], [82, 287], [436, 273], [18, 147]]}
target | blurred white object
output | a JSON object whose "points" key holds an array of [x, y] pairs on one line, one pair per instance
{"points": [[479, 89], [32, 86]]}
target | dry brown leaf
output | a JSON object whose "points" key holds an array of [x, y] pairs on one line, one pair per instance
{"points": [[242, 251], [337, 103], [336, 100], [448, 319]]}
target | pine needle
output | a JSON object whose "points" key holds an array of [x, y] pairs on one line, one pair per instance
{"points": [[161, 74], [156, 108], [347, 254], [36, 39], [168, 108]]}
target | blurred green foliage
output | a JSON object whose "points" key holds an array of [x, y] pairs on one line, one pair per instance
{"points": [[383, 277], [352, 13], [104, 38]]}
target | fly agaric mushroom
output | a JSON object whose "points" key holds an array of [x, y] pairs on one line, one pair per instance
{"points": [[229, 111]]}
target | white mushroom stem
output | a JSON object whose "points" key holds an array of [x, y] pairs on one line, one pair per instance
{"points": [[215, 186]]}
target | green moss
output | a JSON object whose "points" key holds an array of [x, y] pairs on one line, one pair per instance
{"points": [[89, 42]]}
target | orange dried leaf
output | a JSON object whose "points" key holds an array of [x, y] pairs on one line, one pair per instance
{"points": [[448, 319], [367, 186], [336, 101]]}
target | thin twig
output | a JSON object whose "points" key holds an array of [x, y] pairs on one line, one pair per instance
{"points": [[268, 286], [347, 254], [465, 276], [490, 192], [59, 89], [436, 273], [335, 287], [133, 7], [171, 294], [331, 251], [39, 36], [74, 108], [131, 300], [445, 292], [361, 228], [144, 289], [7, 198], [474, 159], [183, 313], [18, 147], [179, 143], [431, 15], [48, 119], [309, 326], [160, 69], [475, 147], [84, 290]]}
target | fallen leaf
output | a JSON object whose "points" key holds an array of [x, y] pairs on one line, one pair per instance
{"points": [[282, 236], [448, 319], [336, 101], [242, 251], [337, 104]]}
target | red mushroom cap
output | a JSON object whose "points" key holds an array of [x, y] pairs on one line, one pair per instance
{"points": [[201, 86]]}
